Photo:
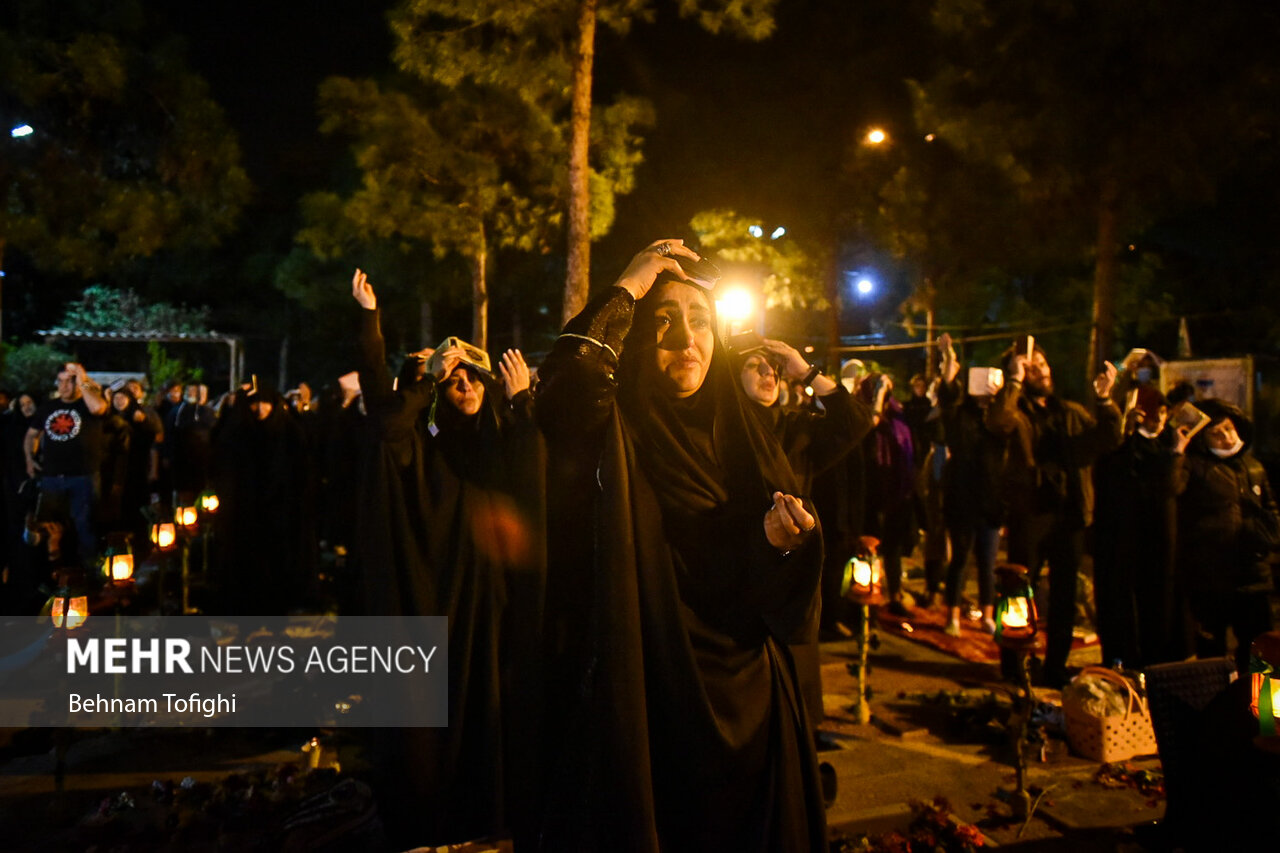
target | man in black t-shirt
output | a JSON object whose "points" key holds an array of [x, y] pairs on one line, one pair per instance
{"points": [[63, 449]]}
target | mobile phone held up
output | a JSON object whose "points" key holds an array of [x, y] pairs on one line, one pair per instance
{"points": [[701, 272], [744, 342]]}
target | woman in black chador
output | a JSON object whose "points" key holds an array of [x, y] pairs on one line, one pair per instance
{"points": [[683, 566], [451, 525], [266, 543]]}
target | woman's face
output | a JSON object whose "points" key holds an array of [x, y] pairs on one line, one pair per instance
{"points": [[684, 335], [760, 380], [1222, 435], [464, 391]]}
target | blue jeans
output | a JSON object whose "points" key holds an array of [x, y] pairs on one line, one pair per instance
{"points": [[77, 491]]}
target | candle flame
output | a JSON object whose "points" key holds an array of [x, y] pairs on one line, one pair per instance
{"points": [[1018, 615]]}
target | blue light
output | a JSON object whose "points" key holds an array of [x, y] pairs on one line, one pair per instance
{"points": [[755, 231], [22, 130], [865, 286], [777, 232]]}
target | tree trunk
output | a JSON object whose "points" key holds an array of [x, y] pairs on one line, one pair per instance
{"points": [[1104, 278], [480, 293], [577, 280], [833, 281], [282, 373]]}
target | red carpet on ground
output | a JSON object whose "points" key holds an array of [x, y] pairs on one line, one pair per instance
{"points": [[928, 626]]}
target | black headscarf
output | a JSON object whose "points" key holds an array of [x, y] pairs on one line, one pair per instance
{"points": [[704, 450], [470, 443]]}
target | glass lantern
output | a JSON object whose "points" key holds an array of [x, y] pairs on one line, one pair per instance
{"points": [[1015, 608]]}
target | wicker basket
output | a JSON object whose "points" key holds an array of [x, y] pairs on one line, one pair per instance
{"points": [[1116, 737]]}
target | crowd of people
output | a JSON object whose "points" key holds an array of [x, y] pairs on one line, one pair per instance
{"points": [[638, 543]]}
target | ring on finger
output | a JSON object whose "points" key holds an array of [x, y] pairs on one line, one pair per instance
{"points": [[664, 249]]}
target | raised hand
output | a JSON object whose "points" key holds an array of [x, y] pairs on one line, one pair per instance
{"points": [[449, 359], [362, 291], [514, 372], [1103, 382], [652, 261]]}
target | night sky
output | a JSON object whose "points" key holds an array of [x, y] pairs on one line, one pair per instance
{"points": [[757, 127]]}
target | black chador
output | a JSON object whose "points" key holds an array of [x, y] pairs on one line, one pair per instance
{"points": [[682, 723], [451, 524]]}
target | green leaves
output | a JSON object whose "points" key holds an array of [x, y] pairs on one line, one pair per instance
{"points": [[106, 309], [789, 270], [129, 154]]}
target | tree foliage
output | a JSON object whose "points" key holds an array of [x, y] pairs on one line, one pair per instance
{"points": [[542, 52], [791, 271], [32, 367], [128, 153], [106, 309], [1102, 115]]}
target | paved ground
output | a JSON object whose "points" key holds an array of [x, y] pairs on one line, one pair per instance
{"points": [[921, 745]]}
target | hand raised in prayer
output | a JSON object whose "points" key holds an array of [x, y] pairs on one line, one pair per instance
{"points": [[654, 260], [950, 364], [1103, 381], [514, 372], [362, 290], [788, 524]]}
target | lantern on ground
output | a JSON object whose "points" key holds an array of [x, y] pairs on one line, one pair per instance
{"points": [[863, 573], [70, 610], [186, 517], [118, 566], [1264, 656], [1015, 610], [208, 503], [164, 535]]}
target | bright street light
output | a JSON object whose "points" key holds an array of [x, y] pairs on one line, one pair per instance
{"points": [[865, 286], [22, 130], [755, 231], [876, 136], [777, 232], [736, 305]]}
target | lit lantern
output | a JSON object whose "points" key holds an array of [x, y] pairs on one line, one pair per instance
{"points": [[863, 573], [209, 503], [185, 517], [69, 611], [164, 535], [1264, 654], [1015, 610], [118, 567]]}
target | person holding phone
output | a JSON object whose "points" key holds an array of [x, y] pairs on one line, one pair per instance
{"points": [[1048, 482], [1228, 528], [815, 441], [685, 562], [1139, 602], [452, 525]]}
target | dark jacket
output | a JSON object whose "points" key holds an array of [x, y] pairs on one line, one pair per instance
{"points": [[973, 477], [1051, 449], [1140, 609], [1227, 518]]}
